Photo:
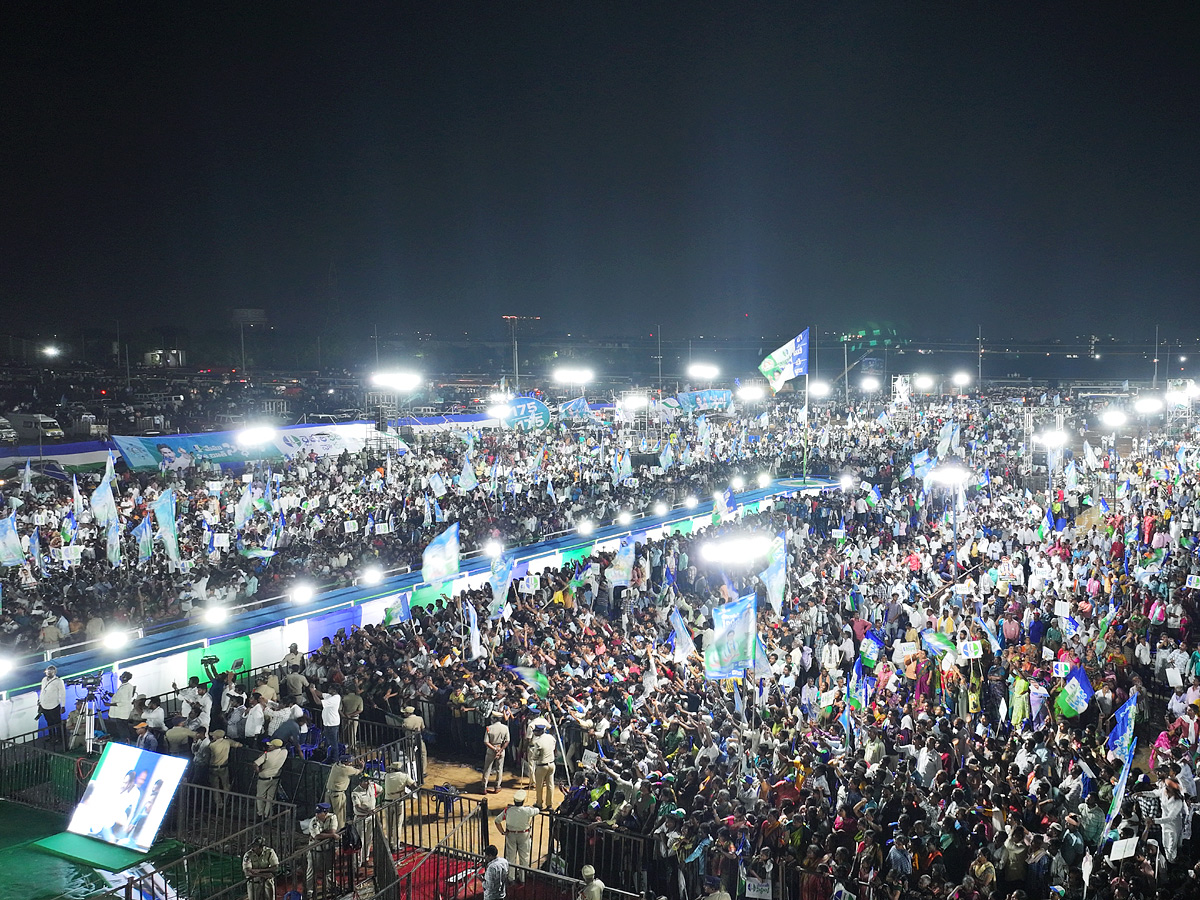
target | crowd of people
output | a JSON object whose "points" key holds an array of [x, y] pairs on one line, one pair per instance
{"points": [[966, 687]]}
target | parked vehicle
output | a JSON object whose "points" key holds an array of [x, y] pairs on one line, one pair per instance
{"points": [[33, 427]]}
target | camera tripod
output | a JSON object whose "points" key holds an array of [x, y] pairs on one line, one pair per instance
{"points": [[85, 722]]}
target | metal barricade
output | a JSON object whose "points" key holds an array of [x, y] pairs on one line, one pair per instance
{"points": [[619, 857], [205, 817], [42, 778]]}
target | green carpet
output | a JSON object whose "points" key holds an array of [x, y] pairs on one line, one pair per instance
{"points": [[30, 874], [90, 852]]}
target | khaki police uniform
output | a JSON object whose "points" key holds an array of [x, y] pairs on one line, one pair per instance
{"points": [[517, 822], [336, 786], [269, 766], [541, 758], [259, 887], [218, 764], [497, 736], [414, 724]]}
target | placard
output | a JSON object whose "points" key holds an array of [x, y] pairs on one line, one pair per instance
{"points": [[905, 649], [827, 698], [248, 478], [529, 584], [961, 588], [383, 528], [1193, 581], [970, 649], [220, 541], [893, 682], [807, 580], [1047, 653], [1061, 669], [1123, 849], [1062, 608], [590, 758], [758, 889], [838, 533], [214, 487], [350, 525], [1174, 679]]}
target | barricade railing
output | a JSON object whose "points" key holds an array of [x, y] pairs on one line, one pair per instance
{"points": [[619, 857], [204, 817], [40, 777]]}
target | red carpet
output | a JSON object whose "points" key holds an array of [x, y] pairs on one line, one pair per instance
{"points": [[438, 876]]}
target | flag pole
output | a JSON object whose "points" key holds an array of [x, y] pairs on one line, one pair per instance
{"points": [[807, 416]]}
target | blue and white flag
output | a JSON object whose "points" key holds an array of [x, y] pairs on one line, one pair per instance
{"points": [[145, 539], [725, 507], [500, 578], [667, 457], [440, 559], [113, 543], [1120, 739], [76, 499], [400, 611], [774, 578], [11, 553], [475, 645], [35, 550], [684, 645], [991, 635], [27, 479], [437, 484], [104, 507], [621, 570], [164, 516], [467, 480], [732, 649], [1076, 695], [576, 410], [787, 362]]}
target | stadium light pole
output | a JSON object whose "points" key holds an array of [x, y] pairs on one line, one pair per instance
{"points": [[1113, 419]]}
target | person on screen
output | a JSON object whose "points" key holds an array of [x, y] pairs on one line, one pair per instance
{"points": [[139, 824], [119, 810]]}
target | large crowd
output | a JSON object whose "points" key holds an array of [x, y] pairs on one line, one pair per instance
{"points": [[963, 689]]}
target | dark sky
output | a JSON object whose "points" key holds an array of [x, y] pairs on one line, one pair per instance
{"points": [[605, 165]]}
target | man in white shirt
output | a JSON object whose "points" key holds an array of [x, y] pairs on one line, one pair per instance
{"points": [[331, 716], [52, 697], [121, 708]]}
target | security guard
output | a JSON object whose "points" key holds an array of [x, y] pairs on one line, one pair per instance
{"points": [[414, 724], [541, 758], [396, 785], [269, 766], [259, 865], [495, 742], [338, 783], [218, 764], [517, 821]]}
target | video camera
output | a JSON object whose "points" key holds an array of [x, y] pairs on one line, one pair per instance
{"points": [[209, 660]]}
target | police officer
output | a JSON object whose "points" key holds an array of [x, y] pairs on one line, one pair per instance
{"points": [[517, 821], [415, 725], [495, 743], [259, 865], [323, 833], [338, 783], [269, 766], [396, 785], [218, 763], [541, 758]]}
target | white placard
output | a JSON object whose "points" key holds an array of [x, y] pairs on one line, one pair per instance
{"points": [[1062, 608], [1174, 679], [757, 889], [1123, 849], [1047, 653], [962, 588], [1061, 669], [529, 584], [248, 478], [905, 649], [350, 525], [838, 533], [214, 486], [278, 476], [970, 649], [590, 758], [893, 682], [220, 541], [807, 580], [1193, 581], [383, 528], [827, 698]]}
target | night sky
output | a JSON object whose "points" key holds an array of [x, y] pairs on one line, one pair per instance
{"points": [[740, 168]]}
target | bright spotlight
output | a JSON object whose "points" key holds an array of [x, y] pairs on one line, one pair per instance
{"points": [[737, 482], [371, 575], [923, 382], [703, 371], [869, 385], [718, 496], [763, 479], [1147, 406], [751, 393], [499, 397], [846, 482], [635, 401], [493, 549], [115, 640], [660, 508], [953, 476], [1052, 440], [499, 411], [961, 379], [215, 615], [624, 517], [1113, 418], [691, 502], [402, 382], [735, 550], [818, 389], [569, 375], [6, 666], [302, 593], [585, 527], [256, 435], [51, 351]]}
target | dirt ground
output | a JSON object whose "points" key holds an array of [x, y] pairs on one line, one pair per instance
{"points": [[469, 782]]}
